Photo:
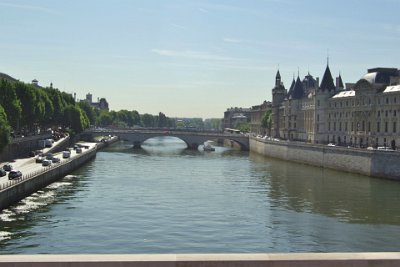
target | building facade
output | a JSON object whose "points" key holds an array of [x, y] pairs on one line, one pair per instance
{"points": [[363, 114], [101, 103], [235, 116], [256, 116]]}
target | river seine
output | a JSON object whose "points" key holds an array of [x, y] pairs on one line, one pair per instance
{"points": [[165, 199]]}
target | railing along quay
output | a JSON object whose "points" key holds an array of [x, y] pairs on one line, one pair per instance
{"points": [[34, 174]]}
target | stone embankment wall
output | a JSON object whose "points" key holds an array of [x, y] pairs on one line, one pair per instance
{"points": [[21, 147], [17, 189], [367, 162]]}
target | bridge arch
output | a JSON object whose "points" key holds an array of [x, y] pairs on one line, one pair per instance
{"points": [[192, 139]]}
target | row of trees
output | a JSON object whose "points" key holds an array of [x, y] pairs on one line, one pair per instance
{"points": [[26, 108]]}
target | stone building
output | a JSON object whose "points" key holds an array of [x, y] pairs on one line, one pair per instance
{"points": [[235, 116], [101, 103], [256, 117], [362, 114]]}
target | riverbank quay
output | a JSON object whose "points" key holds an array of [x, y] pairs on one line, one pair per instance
{"points": [[35, 176], [20, 147], [381, 259], [375, 163]]}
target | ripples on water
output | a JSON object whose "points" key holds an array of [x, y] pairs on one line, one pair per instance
{"points": [[165, 199]]}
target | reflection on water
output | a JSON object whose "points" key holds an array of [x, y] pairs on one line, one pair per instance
{"points": [[166, 199], [349, 197]]}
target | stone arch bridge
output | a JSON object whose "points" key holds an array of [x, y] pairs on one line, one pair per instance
{"points": [[192, 138]]}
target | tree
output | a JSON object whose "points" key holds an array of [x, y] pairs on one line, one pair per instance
{"points": [[105, 119], [89, 110], [4, 129], [147, 120], [75, 118], [266, 121], [243, 127], [27, 97], [10, 103], [162, 120]]}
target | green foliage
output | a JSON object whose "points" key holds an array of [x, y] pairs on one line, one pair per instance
{"points": [[215, 124], [10, 102], [4, 129], [90, 112], [147, 120], [243, 127], [75, 118], [266, 121], [105, 119], [162, 120]]}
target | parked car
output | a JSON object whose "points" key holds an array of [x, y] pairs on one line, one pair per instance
{"points": [[31, 154], [55, 160], [46, 162], [14, 174], [49, 156], [7, 167], [66, 154], [2, 172], [78, 150]]}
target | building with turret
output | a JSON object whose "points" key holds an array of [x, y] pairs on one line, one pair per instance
{"points": [[101, 103], [362, 114]]}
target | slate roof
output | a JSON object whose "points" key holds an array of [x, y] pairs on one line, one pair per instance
{"points": [[327, 80]]}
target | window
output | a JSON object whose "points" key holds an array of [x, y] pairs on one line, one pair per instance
{"points": [[386, 126], [334, 126], [387, 100], [340, 126], [345, 126], [394, 113], [318, 103], [369, 126], [317, 117], [379, 113], [329, 126], [352, 126], [386, 113], [363, 126], [394, 127], [378, 126], [394, 100]]}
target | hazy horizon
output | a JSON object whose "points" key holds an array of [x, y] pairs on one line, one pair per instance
{"points": [[192, 58]]}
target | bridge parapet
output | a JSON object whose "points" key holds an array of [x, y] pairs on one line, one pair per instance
{"points": [[192, 138]]}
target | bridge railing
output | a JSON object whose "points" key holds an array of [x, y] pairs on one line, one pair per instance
{"points": [[389, 259]]}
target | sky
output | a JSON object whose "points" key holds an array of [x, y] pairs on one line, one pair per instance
{"points": [[192, 58]]}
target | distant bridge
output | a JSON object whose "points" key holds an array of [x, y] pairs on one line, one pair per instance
{"points": [[192, 138]]}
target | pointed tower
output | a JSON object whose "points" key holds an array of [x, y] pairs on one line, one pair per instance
{"points": [[291, 87], [298, 90], [339, 82], [327, 80], [278, 96], [277, 79]]}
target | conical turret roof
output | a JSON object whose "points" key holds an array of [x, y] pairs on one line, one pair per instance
{"points": [[327, 80], [298, 90]]}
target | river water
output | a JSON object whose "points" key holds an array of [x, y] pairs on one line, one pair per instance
{"points": [[165, 199]]}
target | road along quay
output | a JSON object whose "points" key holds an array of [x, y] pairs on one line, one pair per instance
{"points": [[35, 176]]}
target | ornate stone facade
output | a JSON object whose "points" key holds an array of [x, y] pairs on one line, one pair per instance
{"points": [[362, 114]]}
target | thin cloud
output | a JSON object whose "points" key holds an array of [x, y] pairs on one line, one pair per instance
{"points": [[28, 7], [232, 40], [191, 55]]}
